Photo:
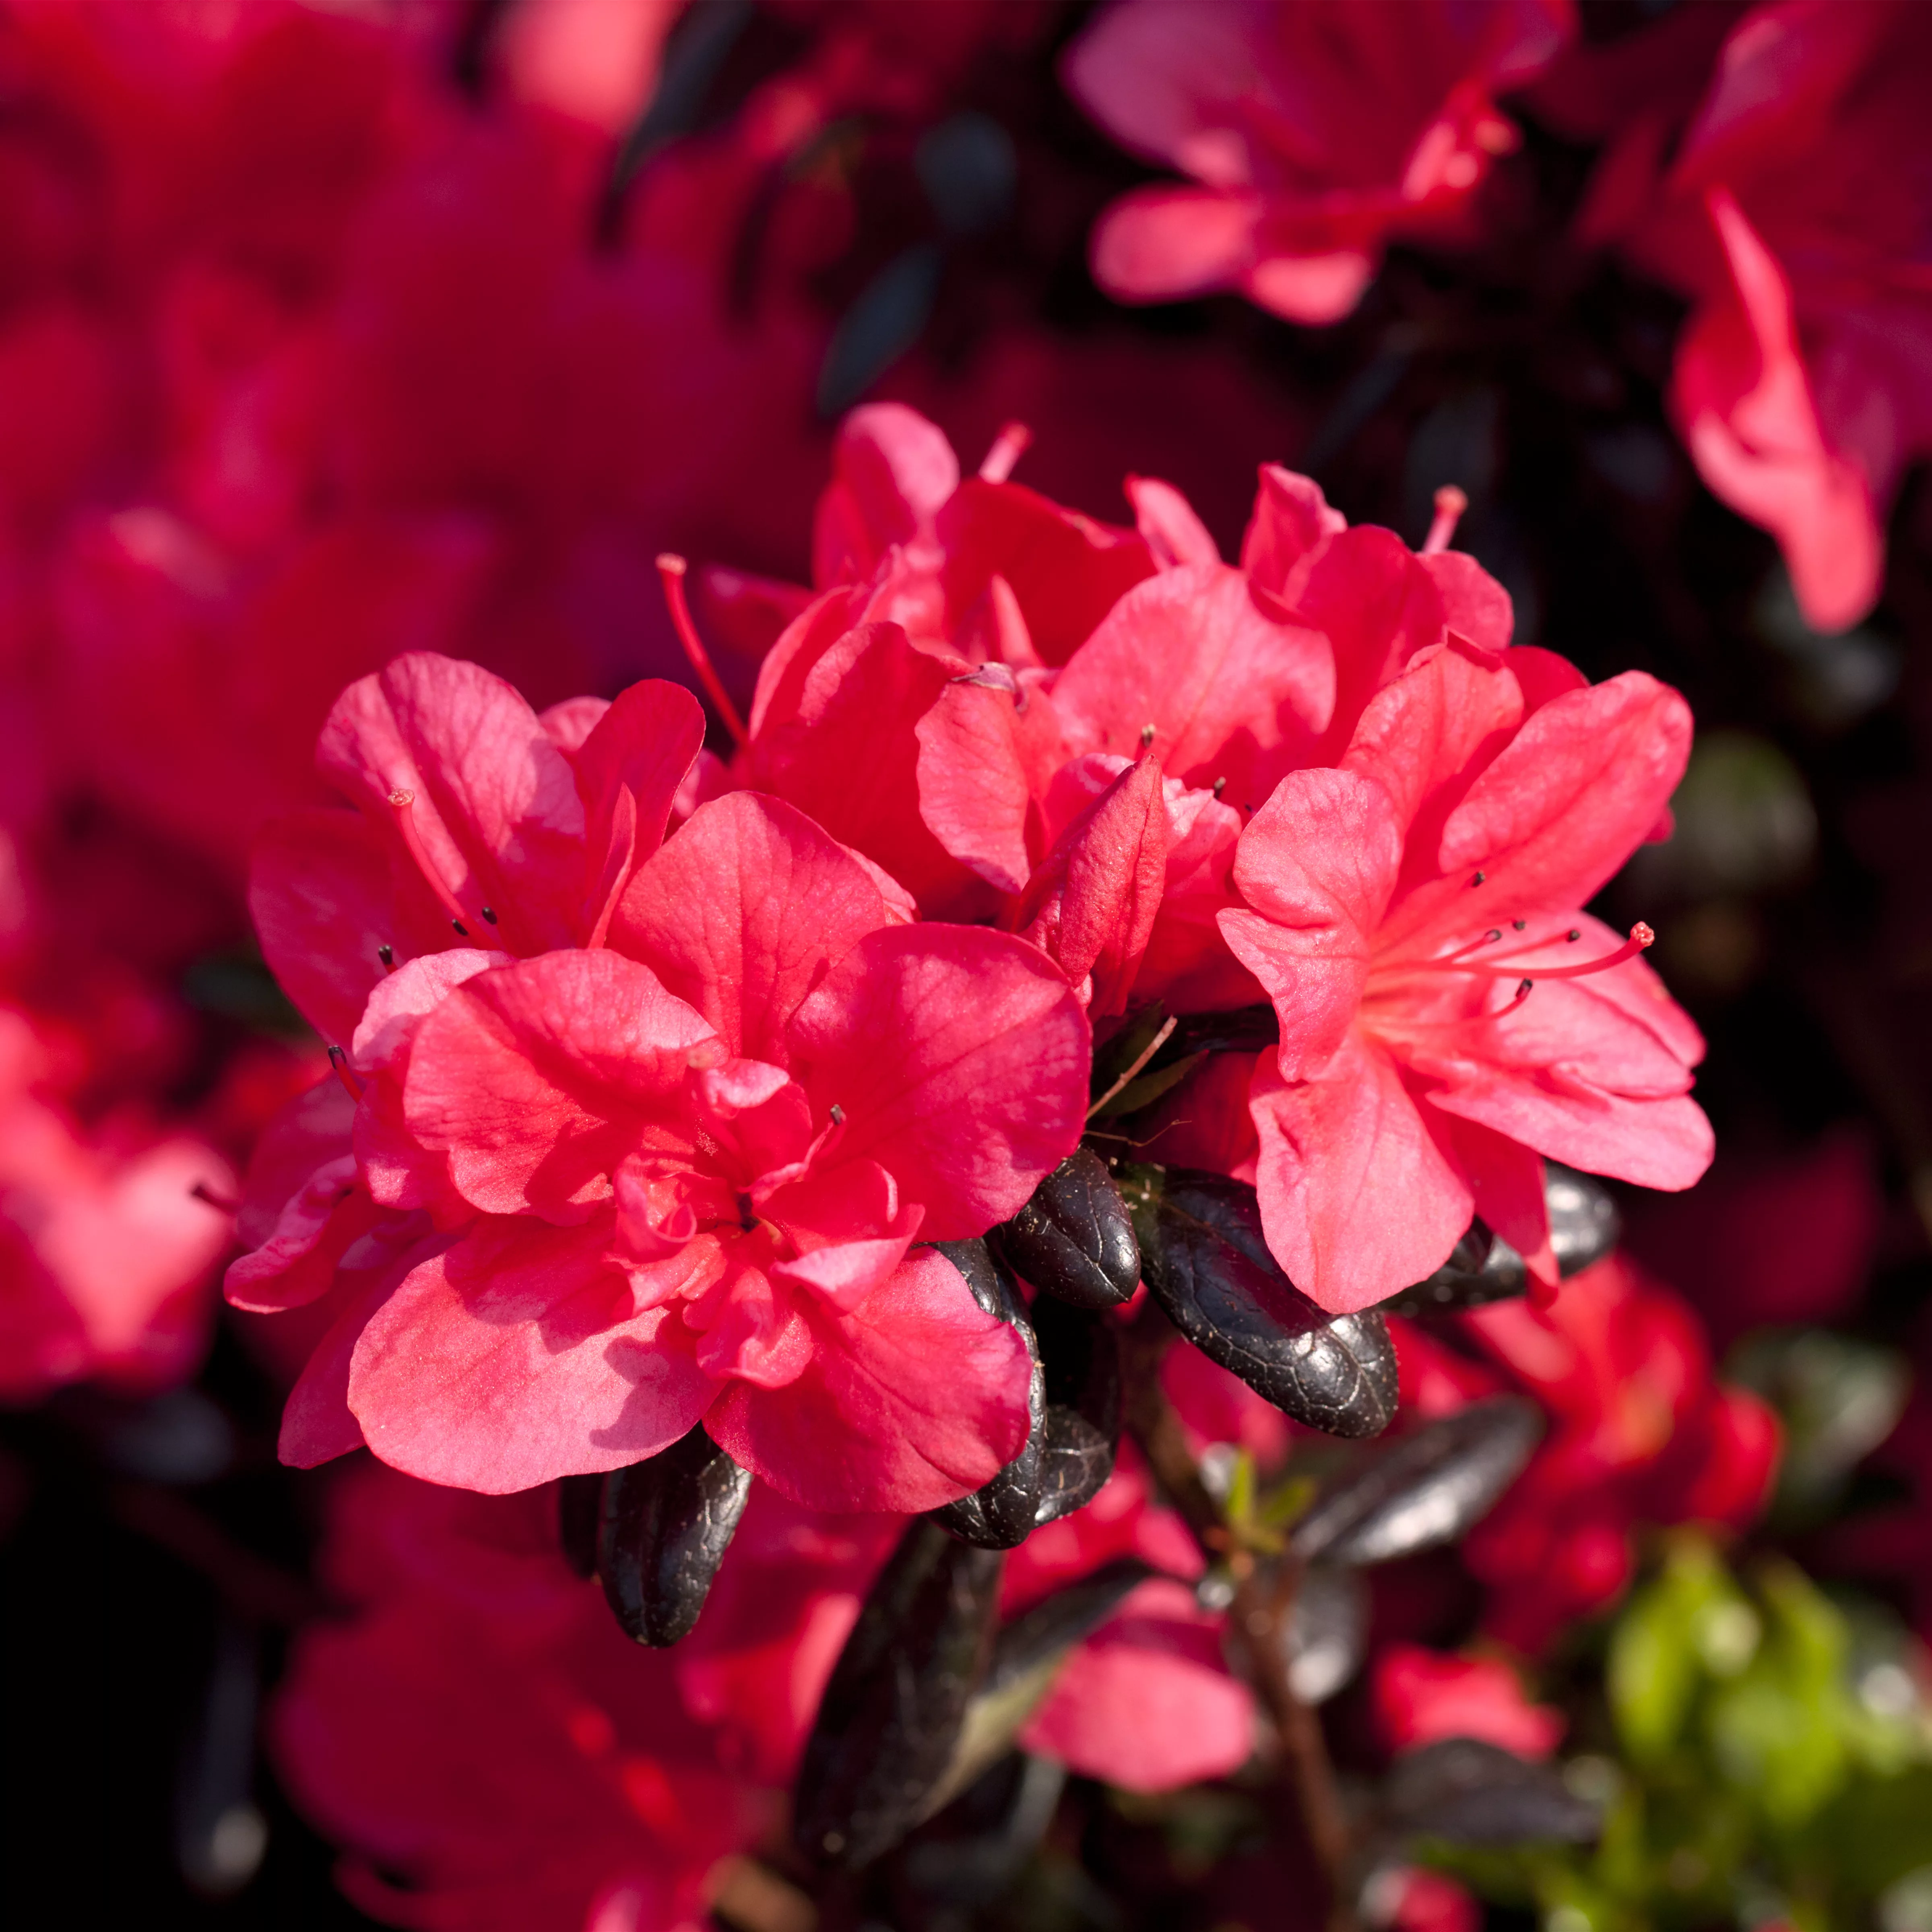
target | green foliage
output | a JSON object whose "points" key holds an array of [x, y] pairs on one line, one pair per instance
{"points": [[1774, 1766]]}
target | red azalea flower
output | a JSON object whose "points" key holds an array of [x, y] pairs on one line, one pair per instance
{"points": [[496, 1756], [1421, 1695], [1446, 1013], [1056, 739], [1317, 129], [1796, 213], [1642, 1431], [596, 1195], [107, 1239]]}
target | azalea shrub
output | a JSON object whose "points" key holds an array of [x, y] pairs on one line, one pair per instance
{"points": [[960, 965]]}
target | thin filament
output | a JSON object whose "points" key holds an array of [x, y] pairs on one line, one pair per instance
{"points": [[671, 569]]}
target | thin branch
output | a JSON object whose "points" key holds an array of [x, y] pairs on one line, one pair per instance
{"points": [[1263, 1605], [1140, 1059]]}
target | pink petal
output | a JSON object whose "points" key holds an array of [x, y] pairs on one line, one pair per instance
{"points": [[741, 912], [317, 1425], [537, 1078], [915, 1400], [1166, 244], [1358, 1197], [1065, 570], [1563, 805], [639, 753], [892, 470], [296, 1262], [496, 807], [1316, 864], [319, 894], [1164, 517], [514, 1358], [1313, 288], [1474, 605], [1091, 906], [959, 1059], [1233, 689], [1147, 1702], [836, 742], [982, 761], [1506, 1180], [1425, 736], [1744, 397], [1291, 526]]}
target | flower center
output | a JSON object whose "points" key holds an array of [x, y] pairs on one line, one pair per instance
{"points": [[1488, 957]]}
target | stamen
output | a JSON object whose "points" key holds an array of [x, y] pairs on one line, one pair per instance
{"points": [[670, 572], [838, 1114], [1479, 878], [1146, 735], [1517, 925], [351, 1084], [489, 914], [404, 803], [387, 954], [1450, 502], [1640, 937], [1220, 786], [1576, 933], [1009, 446]]}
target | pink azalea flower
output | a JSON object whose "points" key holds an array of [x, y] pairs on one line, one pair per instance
{"points": [[593, 1195], [1447, 1012], [1029, 686], [1795, 213], [1316, 129], [108, 1240], [1641, 1431], [1421, 1695]]}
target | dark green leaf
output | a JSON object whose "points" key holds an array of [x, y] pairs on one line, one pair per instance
{"points": [[663, 1527], [1426, 1488], [1074, 1239], [888, 1724], [1470, 1793], [997, 1515], [1206, 1262], [1081, 1355]]}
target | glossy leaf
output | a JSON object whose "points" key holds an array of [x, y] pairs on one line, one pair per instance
{"points": [[1482, 1267], [999, 1514], [1081, 1355], [889, 1723], [1074, 1239], [1585, 1224], [1326, 1634], [1027, 1656], [1427, 1489], [1206, 1262], [1470, 1793], [663, 1528]]}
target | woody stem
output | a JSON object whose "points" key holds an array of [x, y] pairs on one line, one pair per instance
{"points": [[1263, 1603]]}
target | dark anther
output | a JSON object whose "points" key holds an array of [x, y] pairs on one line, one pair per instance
{"points": [[1479, 878], [663, 1527], [1000, 1512], [1075, 1238], [1522, 987], [1146, 735], [1220, 786], [387, 954], [838, 1114], [490, 914], [1494, 933], [1575, 933], [1519, 924], [462, 931]]}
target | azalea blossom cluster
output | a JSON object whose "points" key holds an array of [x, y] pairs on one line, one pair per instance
{"points": [[1742, 148], [1064, 887], [905, 1134]]}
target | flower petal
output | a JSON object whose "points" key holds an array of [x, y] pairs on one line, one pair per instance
{"points": [[959, 1058], [513, 1358], [914, 1400]]}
